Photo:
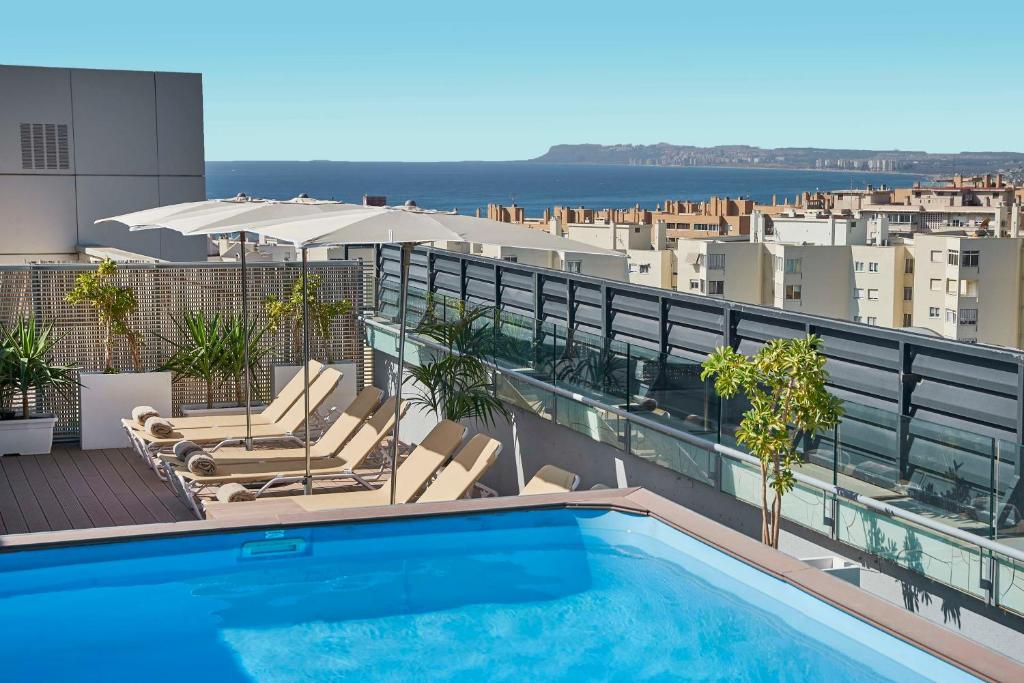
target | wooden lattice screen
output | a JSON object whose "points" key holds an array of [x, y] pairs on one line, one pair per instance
{"points": [[165, 292]]}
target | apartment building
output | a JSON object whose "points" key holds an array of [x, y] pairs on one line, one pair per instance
{"points": [[958, 286]]}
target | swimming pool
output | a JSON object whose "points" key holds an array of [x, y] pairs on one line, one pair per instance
{"points": [[560, 594]]}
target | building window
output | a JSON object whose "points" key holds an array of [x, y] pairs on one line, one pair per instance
{"points": [[935, 284], [510, 259], [933, 311], [716, 261], [899, 218], [873, 266], [858, 293], [950, 316], [936, 256], [970, 259], [951, 287], [779, 263], [716, 286], [793, 292], [645, 267], [793, 265], [858, 266], [872, 320], [908, 293], [908, 266], [873, 294], [968, 316], [908, 320], [573, 266], [694, 284], [953, 257], [969, 340]]}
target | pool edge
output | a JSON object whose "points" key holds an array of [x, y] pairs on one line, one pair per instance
{"points": [[940, 642]]}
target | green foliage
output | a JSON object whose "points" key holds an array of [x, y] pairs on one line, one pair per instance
{"points": [[25, 352], [785, 384], [114, 305], [458, 385], [236, 337], [212, 349], [288, 312]]}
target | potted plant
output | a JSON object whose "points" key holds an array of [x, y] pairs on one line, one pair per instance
{"points": [[25, 367], [107, 396], [286, 313], [212, 350]]}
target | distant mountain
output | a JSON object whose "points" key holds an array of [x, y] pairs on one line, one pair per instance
{"points": [[664, 154]]}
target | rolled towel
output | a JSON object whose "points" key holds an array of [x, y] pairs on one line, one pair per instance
{"points": [[142, 413], [183, 449], [234, 493], [201, 463], [159, 427]]}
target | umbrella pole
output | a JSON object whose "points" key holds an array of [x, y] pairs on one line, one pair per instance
{"points": [[308, 480], [245, 337], [403, 296]]}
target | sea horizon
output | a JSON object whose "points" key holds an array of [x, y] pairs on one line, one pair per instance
{"points": [[468, 185]]}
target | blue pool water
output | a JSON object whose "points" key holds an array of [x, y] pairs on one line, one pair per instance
{"points": [[545, 595]]}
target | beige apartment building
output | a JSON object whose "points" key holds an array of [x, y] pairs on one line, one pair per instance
{"points": [[960, 287]]}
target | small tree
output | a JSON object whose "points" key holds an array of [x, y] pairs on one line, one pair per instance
{"points": [[288, 311], [785, 385], [114, 305]]}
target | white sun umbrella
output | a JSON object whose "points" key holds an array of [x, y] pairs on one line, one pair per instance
{"points": [[225, 215], [336, 224], [349, 224]]}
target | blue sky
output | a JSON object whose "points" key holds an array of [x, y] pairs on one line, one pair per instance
{"points": [[424, 81]]}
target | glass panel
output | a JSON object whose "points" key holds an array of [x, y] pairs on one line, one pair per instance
{"points": [[670, 388], [598, 424], [527, 396], [1010, 584], [663, 450]]}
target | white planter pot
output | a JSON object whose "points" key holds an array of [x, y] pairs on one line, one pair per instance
{"points": [[33, 436], [200, 409], [107, 399], [343, 394]]}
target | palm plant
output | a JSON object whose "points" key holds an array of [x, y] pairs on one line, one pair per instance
{"points": [[25, 364], [236, 337], [457, 386], [201, 352]]}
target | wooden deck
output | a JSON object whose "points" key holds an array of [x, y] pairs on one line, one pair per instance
{"points": [[74, 489]]}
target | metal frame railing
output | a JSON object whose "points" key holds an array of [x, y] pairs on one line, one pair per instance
{"points": [[838, 493]]}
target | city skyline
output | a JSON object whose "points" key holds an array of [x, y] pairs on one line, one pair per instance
{"points": [[394, 83]]}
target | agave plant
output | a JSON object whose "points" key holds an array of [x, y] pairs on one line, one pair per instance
{"points": [[25, 364], [201, 352], [236, 337]]}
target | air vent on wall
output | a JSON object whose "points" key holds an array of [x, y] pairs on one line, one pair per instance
{"points": [[44, 146]]}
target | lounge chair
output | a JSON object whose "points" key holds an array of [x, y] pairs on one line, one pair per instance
{"points": [[289, 464], [364, 410], [323, 386], [272, 413], [413, 474], [466, 468], [551, 479]]}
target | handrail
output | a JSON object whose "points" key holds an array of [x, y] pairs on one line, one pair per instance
{"points": [[733, 453]]}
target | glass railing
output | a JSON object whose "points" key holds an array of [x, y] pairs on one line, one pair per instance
{"points": [[952, 477]]}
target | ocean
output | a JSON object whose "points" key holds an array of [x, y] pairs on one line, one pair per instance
{"points": [[468, 185]]}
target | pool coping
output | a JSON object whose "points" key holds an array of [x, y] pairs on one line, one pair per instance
{"points": [[940, 642]]}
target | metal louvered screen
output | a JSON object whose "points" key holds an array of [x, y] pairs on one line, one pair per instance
{"points": [[165, 293], [44, 146]]}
